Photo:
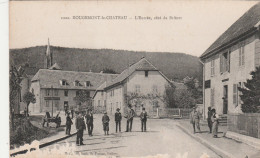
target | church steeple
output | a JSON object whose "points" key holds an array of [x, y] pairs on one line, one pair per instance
{"points": [[48, 57]]}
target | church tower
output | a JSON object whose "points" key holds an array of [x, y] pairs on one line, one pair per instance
{"points": [[48, 57]]}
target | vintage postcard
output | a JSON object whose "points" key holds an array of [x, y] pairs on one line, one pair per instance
{"points": [[178, 79]]}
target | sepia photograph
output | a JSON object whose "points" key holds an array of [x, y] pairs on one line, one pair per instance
{"points": [[157, 79]]}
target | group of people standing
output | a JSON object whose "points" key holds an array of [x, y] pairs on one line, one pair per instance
{"points": [[212, 119], [81, 125]]}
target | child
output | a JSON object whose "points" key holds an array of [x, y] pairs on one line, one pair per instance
{"points": [[118, 118], [105, 121]]}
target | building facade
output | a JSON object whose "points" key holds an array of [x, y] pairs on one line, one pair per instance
{"points": [[56, 90], [229, 61], [141, 85]]}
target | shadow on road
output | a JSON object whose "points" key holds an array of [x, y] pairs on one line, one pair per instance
{"points": [[101, 148]]}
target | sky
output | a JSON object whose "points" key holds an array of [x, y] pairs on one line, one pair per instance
{"points": [[198, 25]]}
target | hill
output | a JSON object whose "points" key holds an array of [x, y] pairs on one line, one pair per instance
{"points": [[174, 65]]}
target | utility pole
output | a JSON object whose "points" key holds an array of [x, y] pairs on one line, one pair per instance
{"points": [[51, 101]]}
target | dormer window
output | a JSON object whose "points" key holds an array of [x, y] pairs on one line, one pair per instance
{"points": [[146, 73], [77, 83], [87, 84], [64, 82]]}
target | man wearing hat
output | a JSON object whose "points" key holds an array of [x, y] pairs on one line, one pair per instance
{"points": [[118, 118], [68, 124], [80, 126], [143, 117], [89, 121], [195, 119], [105, 121], [130, 116]]}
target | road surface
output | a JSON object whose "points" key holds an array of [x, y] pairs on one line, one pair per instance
{"points": [[163, 137]]}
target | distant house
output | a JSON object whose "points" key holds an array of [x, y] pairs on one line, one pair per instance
{"points": [[229, 61], [57, 88], [141, 79]]}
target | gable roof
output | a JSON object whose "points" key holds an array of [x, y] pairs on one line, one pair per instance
{"points": [[55, 67], [245, 25], [141, 65], [51, 78]]}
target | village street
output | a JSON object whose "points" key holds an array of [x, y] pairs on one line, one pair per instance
{"points": [[163, 137]]}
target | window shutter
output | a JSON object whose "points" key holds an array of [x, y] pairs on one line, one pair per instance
{"points": [[228, 61], [221, 63], [243, 55], [212, 97], [240, 54], [235, 92]]}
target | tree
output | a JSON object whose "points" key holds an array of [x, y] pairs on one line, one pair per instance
{"points": [[109, 71], [169, 96], [82, 96], [196, 90], [28, 98], [183, 98], [251, 93], [15, 77]]}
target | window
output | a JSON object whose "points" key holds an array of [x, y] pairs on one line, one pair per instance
{"points": [[56, 92], [207, 84], [56, 103], [242, 55], [66, 93], [137, 88], [225, 62], [47, 92], [146, 73], [212, 67], [99, 103], [212, 95], [235, 95], [47, 103], [64, 82], [77, 83], [105, 103], [88, 84]]}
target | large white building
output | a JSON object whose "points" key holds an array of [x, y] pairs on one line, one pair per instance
{"points": [[229, 61], [141, 79]]}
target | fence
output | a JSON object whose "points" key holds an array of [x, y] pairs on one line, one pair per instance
{"points": [[246, 124], [174, 112]]}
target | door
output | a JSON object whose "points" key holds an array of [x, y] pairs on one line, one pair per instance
{"points": [[225, 99]]}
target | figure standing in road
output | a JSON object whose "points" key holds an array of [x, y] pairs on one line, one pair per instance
{"points": [[129, 117], [215, 122], [105, 121], [209, 119], [195, 119], [68, 124], [80, 126], [143, 117], [118, 118], [89, 121]]}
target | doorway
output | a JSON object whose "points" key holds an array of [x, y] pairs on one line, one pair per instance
{"points": [[225, 99]]}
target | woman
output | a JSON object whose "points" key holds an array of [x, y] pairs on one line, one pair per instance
{"points": [[214, 119]]}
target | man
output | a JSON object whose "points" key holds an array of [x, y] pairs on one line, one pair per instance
{"points": [[68, 124], [118, 118], [80, 126], [89, 121], [143, 117], [129, 117], [209, 119], [105, 121], [195, 119]]}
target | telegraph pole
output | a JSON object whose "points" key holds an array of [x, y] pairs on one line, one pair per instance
{"points": [[51, 101]]}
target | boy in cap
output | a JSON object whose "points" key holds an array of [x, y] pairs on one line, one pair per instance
{"points": [[118, 118], [105, 121], [143, 117]]}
